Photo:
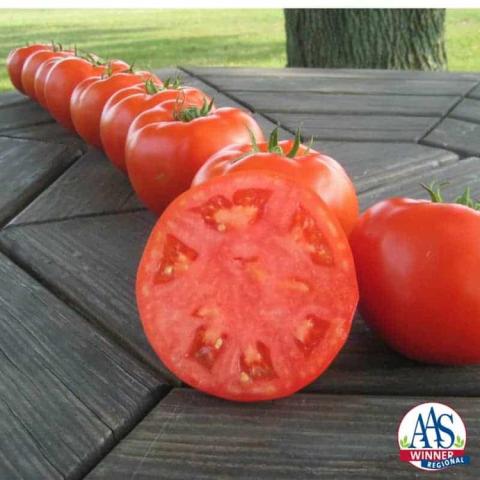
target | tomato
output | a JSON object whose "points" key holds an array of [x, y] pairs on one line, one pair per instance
{"points": [[246, 288], [33, 63], [122, 108], [16, 59], [315, 170], [166, 145], [91, 95], [62, 79], [40, 80], [418, 265]]}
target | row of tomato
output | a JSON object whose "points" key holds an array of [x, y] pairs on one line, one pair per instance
{"points": [[247, 286], [117, 109]]}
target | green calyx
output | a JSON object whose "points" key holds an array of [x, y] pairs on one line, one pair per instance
{"points": [[56, 47], [191, 113], [274, 147], [172, 83], [151, 87], [436, 196]]}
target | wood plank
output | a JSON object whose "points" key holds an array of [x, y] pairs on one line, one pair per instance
{"points": [[475, 93], [7, 99], [90, 187], [331, 72], [22, 115], [366, 365], [47, 132], [373, 164], [189, 435], [378, 128], [371, 84], [220, 99], [457, 135], [66, 391], [468, 109], [311, 102], [458, 175], [26, 168], [92, 263]]}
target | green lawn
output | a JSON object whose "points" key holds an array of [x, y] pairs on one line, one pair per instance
{"points": [[156, 38]]}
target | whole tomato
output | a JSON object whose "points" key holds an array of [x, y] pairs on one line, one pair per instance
{"points": [[62, 79], [41, 78], [91, 95], [16, 59], [34, 62], [122, 108], [317, 171], [418, 267], [166, 146]]}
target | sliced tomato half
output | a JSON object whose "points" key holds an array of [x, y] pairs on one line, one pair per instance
{"points": [[247, 287]]}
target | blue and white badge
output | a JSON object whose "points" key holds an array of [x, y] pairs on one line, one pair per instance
{"points": [[432, 436]]}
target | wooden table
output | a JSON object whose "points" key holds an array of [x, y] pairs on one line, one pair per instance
{"points": [[82, 394]]}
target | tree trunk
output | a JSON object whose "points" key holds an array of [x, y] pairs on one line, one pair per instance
{"points": [[359, 38]]}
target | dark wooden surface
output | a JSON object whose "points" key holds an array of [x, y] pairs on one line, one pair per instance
{"points": [[307, 436], [76, 373]]}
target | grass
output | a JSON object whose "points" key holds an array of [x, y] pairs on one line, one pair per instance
{"points": [[156, 38]]}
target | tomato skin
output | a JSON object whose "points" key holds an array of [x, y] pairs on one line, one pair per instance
{"points": [[163, 154], [17, 58], [40, 79], [125, 105], [61, 81], [315, 170], [90, 96], [31, 66], [418, 267], [244, 306]]}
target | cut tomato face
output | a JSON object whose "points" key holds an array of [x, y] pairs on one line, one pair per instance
{"points": [[247, 287]]}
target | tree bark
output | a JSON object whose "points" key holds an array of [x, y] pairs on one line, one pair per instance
{"points": [[407, 39]]}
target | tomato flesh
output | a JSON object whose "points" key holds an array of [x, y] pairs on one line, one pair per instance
{"points": [[247, 287]]}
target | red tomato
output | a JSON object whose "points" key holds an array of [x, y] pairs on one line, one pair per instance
{"points": [[247, 288], [33, 63], [40, 79], [122, 108], [91, 95], [166, 146], [62, 79], [315, 170], [418, 266], [16, 59]]}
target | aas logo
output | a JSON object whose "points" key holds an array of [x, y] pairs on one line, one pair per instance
{"points": [[432, 436]]}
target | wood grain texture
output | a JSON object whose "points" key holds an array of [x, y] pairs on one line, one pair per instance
{"points": [[457, 135], [373, 164], [464, 173], [364, 73], [26, 168], [66, 391], [468, 109], [377, 128], [189, 435], [366, 365], [8, 99], [22, 115], [409, 85], [475, 93], [90, 187], [47, 132], [308, 102], [92, 263]]}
